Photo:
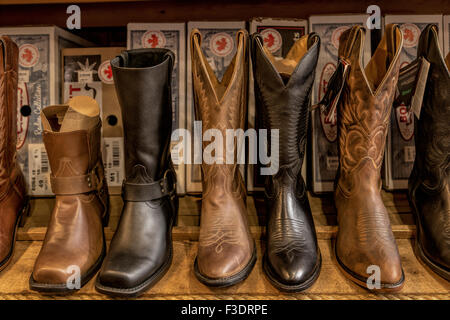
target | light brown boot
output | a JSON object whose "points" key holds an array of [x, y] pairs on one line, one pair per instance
{"points": [[74, 240], [365, 237], [226, 250], [13, 199]]}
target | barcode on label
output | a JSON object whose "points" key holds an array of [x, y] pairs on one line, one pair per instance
{"points": [[44, 161], [332, 163], [410, 153], [38, 170], [113, 158]]}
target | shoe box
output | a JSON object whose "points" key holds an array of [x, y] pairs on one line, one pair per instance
{"points": [[400, 147], [171, 36], [87, 72], [323, 158], [279, 35], [39, 86], [219, 54]]}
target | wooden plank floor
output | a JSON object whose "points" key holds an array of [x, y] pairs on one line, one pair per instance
{"points": [[180, 282]]}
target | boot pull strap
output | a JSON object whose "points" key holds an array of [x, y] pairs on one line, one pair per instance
{"points": [[10, 53], [140, 192], [93, 181]]}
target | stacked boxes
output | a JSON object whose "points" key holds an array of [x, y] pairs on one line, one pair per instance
{"points": [[39, 86], [171, 36], [400, 147], [323, 149]]}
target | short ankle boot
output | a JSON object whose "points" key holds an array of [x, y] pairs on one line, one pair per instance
{"points": [[13, 197], [226, 249], [141, 249], [282, 88], [365, 238], [429, 183], [74, 243]]}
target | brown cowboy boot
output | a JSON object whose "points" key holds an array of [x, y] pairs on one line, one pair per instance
{"points": [[226, 250], [429, 183], [13, 201], [365, 237], [74, 240]]}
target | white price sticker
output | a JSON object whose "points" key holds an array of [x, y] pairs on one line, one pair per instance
{"points": [[38, 170], [24, 76], [113, 158], [410, 153], [332, 163]]}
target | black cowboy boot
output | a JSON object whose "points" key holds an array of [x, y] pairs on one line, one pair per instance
{"points": [[282, 88], [429, 183], [141, 249]]}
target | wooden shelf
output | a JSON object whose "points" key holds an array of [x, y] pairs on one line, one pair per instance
{"points": [[180, 282]]}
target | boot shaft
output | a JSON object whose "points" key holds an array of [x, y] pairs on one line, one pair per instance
{"points": [[143, 85], [365, 105], [8, 107], [73, 143], [432, 129], [282, 92]]}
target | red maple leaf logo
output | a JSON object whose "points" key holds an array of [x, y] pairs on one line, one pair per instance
{"points": [[221, 44], [153, 41], [408, 35], [270, 40], [108, 72], [27, 55]]}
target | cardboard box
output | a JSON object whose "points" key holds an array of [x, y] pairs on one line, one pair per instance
{"points": [[323, 157], [279, 36], [446, 36], [39, 86], [87, 72], [400, 146], [219, 64], [171, 36]]}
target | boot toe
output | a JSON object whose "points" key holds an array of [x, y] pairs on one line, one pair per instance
{"points": [[292, 270], [50, 275]]}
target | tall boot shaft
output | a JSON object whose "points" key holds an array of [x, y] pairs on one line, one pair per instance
{"points": [[282, 91], [143, 85], [8, 108], [365, 237], [365, 107], [432, 144]]}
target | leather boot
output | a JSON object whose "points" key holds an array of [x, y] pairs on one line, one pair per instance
{"points": [[141, 249], [364, 236], [282, 88], [226, 250], [429, 183], [13, 200], [74, 244]]}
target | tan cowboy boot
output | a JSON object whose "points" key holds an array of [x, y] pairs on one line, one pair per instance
{"points": [[365, 237], [74, 242], [13, 199], [226, 251]]}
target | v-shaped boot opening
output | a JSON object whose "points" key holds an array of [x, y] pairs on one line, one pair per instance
{"points": [[80, 113], [286, 66], [384, 56], [143, 58], [219, 87]]}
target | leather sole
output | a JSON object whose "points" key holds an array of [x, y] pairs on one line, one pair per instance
{"points": [[420, 253], [20, 222], [292, 287], [141, 288], [362, 281], [61, 288], [228, 281]]}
